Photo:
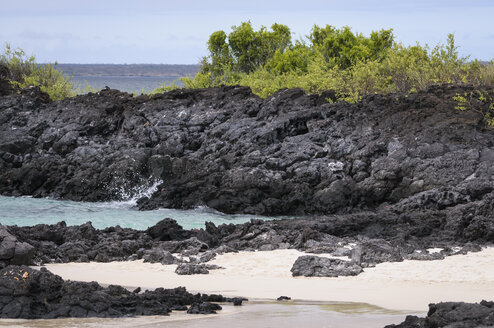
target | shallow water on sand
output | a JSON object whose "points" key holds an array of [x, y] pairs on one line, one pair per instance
{"points": [[251, 314], [26, 211]]}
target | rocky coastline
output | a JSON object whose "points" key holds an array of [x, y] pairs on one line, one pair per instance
{"points": [[382, 180], [232, 151], [39, 294]]}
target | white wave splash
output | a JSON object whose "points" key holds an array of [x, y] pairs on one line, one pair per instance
{"points": [[129, 196]]}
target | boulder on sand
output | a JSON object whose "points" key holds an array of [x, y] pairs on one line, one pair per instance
{"points": [[316, 266]]}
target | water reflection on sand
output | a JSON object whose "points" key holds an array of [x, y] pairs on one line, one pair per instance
{"points": [[251, 314]]}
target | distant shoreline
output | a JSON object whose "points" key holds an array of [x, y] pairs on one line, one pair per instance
{"points": [[129, 70]]}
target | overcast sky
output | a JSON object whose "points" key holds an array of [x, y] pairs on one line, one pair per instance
{"points": [[176, 32]]}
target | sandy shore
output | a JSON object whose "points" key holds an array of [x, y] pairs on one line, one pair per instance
{"points": [[408, 285]]}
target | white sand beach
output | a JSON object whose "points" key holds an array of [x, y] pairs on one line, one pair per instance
{"points": [[407, 285]]}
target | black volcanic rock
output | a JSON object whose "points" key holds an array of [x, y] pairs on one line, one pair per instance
{"points": [[230, 150], [453, 314], [316, 266], [32, 294], [380, 180], [203, 308], [12, 251], [283, 298], [5, 87], [168, 229]]}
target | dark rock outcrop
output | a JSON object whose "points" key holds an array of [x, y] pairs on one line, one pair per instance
{"points": [[454, 315], [5, 87], [316, 266], [158, 255], [31, 294], [12, 251], [166, 230], [232, 151], [203, 308], [392, 174], [237, 301], [365, 238]]}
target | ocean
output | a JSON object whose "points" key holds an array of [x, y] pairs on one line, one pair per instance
{"points": [[27, 211], [132, 84], [134, 78]]}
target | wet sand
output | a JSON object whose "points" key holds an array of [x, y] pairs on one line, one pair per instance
{"points": [[251, 314], [405, 286]]}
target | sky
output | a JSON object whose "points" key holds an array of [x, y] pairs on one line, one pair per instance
{"points": [[176, 32]]}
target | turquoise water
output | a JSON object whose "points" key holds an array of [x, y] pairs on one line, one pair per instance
{"points": [[26, 211]]}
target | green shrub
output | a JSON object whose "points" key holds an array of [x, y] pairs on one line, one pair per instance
{"points": [[348, 63], [24, 71], [480, 101]]}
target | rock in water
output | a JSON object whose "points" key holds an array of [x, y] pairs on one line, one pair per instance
{"points": [[203, 308], [283, 298], [237, 301], [315, 266]]}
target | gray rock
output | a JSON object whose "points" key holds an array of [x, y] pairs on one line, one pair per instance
{"points": [[14, 252], [204, 257], [191, 268], [203, 308], [424, 256], [315, 266], [159, 255]]}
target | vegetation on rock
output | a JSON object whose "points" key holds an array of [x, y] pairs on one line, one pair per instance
{"points": [[24, 72], [481, 101], [351, 64]]}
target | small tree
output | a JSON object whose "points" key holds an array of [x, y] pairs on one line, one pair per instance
{"points": [[24, 71]]}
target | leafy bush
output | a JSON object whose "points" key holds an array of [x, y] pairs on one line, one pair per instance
{"points": [[350, 64], [480, 101], [24, 71]]}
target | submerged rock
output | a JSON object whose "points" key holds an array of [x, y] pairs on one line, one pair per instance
{"points": [[315, 266]]}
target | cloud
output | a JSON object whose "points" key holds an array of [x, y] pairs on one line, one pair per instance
{"points": [[194, 38], [34, 35]]}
